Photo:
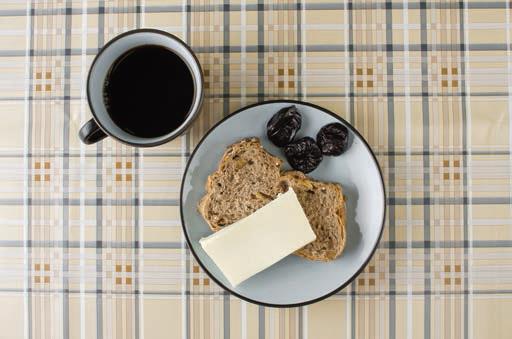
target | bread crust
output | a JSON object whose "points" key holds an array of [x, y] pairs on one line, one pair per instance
{"points": [[300, 183], [227, 165], [330, 220]]}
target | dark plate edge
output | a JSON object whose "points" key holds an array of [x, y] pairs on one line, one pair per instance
{"points": [[307, 302]]}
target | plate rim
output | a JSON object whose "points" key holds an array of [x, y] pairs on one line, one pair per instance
{"points": [[367, 260]]}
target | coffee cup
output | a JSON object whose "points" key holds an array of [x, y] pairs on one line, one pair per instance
{"points": [[145, 88]]}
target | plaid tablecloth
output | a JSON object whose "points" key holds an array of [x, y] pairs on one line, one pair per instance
{"points": [[90, 238]]}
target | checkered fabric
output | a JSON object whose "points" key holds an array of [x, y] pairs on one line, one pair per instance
{"points": [[90, 238]]}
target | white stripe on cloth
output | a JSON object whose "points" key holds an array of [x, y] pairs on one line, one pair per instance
{"points": [[83, 75], [467, 99], [408, 169], [26, 139]]}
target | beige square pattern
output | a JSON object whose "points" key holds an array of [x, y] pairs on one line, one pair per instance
{"points": [[90, 236]]}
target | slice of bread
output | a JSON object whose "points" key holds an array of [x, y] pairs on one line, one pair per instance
{"points": [[324, 206], [247, 179]]}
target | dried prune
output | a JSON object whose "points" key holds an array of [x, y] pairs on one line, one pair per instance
{"points": [[333, 139], [303, 154], [283, 126]]}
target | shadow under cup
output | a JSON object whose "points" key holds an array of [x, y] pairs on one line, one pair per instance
{"points": [[144, 88]]}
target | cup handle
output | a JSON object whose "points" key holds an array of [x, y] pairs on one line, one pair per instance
{"points": [[91, 133]]}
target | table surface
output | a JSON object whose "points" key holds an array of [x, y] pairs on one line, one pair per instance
{"points": [[90, 237]]}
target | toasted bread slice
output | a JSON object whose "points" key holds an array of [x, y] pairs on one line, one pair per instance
{"points": [[324, 206], [247, 179]]}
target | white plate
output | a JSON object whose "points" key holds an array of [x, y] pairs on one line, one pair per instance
{"points": [[293, 281]]}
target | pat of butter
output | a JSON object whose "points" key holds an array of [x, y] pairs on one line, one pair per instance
{"points": [[260, 240]]}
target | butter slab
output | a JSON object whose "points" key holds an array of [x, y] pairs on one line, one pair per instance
{"points": [[261, 239]]}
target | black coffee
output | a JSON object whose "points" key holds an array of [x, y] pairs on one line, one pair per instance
{"points": [[148, 91]]}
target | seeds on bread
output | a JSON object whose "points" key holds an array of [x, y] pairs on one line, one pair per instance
{"points": [[324, 206], [247, 179]]}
